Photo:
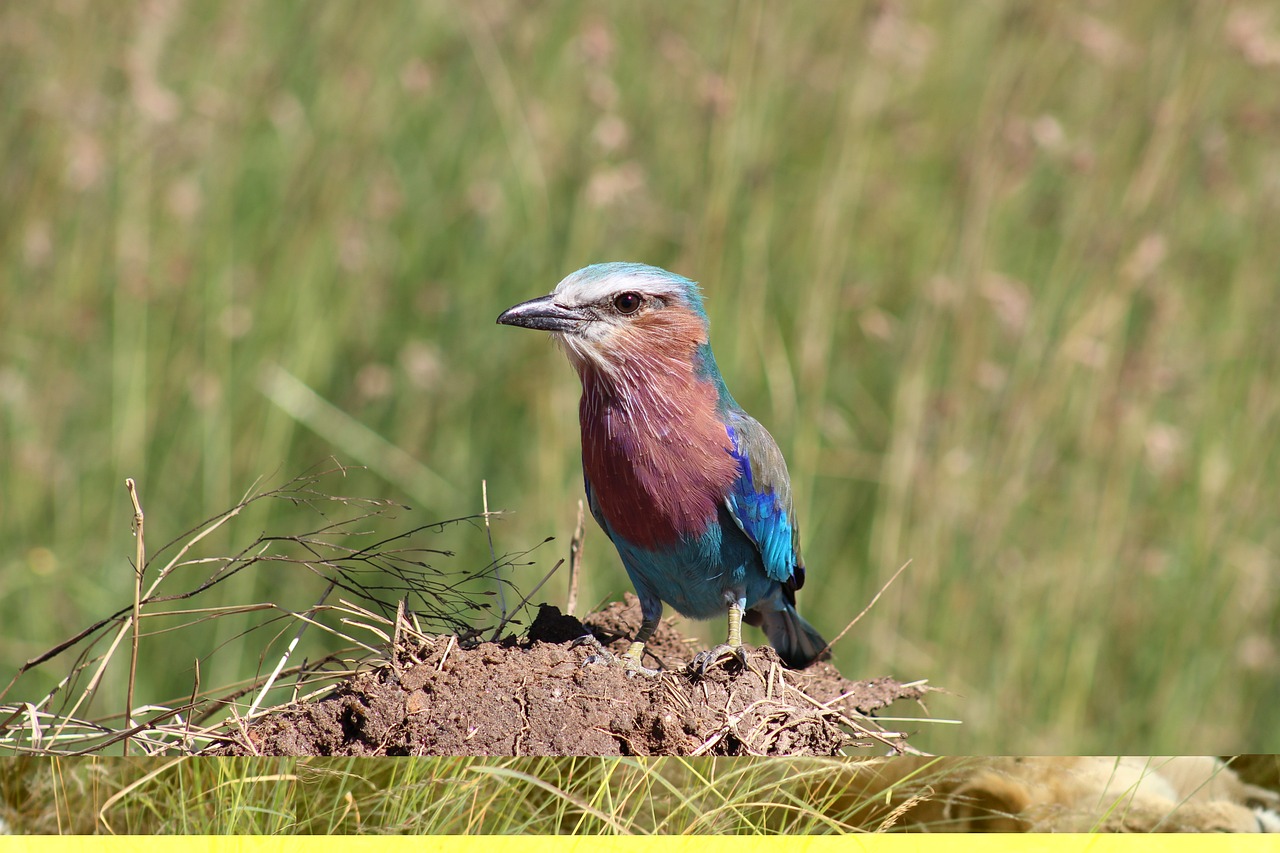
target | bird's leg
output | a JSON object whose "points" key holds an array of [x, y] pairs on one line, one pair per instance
{"points": [[731, 647], [631, 657]]}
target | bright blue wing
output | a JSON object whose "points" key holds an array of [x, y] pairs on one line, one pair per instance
{"points": [[760, 501]]}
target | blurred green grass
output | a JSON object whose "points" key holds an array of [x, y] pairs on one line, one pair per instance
{"points": [[998, 277], [443, 796]]}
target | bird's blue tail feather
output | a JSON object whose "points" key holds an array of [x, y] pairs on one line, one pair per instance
{"points": [[798, 643]]}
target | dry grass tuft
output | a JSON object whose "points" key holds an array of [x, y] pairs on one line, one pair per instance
{"points": [[361, 590]]}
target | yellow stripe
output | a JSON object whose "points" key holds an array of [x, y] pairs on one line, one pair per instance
{"points": [[924, 843]]}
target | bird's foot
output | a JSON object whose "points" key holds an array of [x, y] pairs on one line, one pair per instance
{"points": [[634, 667], [704, 660], [599, 653], [629, 660]]}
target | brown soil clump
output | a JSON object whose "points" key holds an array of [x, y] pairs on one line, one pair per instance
{"points": [[534, 696]]}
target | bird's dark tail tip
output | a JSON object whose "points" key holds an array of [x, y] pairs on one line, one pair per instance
{"points": [[798, 643]]}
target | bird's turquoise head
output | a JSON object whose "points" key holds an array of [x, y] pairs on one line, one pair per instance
{"points": [[616, 316]]}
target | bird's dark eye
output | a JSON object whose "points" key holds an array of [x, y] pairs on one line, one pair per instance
{"points": [[628, 303]]}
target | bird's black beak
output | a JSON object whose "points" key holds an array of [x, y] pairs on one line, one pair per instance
{"points": [[543, 314]]}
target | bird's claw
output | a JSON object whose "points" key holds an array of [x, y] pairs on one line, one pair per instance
{"points": [[634, 668], [600, 654], [704, 660], [588, 640]]}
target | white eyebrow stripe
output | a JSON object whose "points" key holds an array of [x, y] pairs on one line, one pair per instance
{"points": [[577, 289]]}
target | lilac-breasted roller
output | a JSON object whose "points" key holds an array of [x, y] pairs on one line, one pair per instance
{"points": [[692, 490]]}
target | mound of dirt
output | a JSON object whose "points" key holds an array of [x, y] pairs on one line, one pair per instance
{"points": [[534, 696]]}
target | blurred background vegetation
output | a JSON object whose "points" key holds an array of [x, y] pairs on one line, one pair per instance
{"points": [[996, 275]]}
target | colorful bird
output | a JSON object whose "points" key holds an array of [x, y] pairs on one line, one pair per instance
{"points": [[692, 490]]}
